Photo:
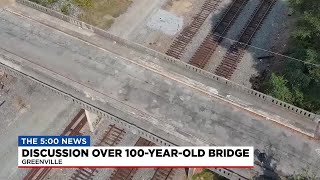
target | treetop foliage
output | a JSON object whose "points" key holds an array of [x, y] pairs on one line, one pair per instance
{"points": [[299, 83]]}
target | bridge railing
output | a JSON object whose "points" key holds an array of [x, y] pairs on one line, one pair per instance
{"points": [[177, 62]]}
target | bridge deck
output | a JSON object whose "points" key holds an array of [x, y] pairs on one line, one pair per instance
{"points": [[178, 105]]}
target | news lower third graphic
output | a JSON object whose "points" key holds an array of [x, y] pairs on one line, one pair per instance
{"points": [[75, 151]]}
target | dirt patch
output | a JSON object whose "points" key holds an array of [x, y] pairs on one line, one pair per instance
{"points": [[101, 13], [6, 2], [180, 7], [20, 104]]}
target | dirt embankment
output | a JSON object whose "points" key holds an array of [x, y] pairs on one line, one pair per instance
{"points": [[4, 3]]}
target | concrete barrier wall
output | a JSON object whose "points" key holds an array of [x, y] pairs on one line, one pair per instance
{"points": [[179, 63]]}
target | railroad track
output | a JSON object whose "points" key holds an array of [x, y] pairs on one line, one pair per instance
{"points": [[73, 129], [112, 137], [128, 173], [236, 51], [180, 43], [210, 43], [163, 174]]}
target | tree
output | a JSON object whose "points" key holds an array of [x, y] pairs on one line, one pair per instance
{"points": [[277, 87], [299, 83]]}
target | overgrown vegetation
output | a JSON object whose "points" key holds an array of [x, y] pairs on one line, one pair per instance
{"points": [[83, 3], [44, 2], [101, 13], [299, 82], [207, 175], [65, 8]]}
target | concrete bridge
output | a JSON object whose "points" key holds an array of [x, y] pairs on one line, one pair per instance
{"points": [[155, 96]]}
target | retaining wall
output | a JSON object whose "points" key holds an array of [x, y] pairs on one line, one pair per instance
{"points": [[177, 62]]}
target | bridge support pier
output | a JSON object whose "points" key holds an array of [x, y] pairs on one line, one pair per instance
{"points": [[92, 119]]}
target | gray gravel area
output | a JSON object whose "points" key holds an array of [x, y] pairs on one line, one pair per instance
{"points": [[157, 39], [245, 69], [28, 110], [144, 174], [165, 22], [179, 174], [74, 10], [265, 38], [233, 33]]}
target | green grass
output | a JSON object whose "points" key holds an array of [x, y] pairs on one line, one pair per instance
{"points": [[207, 175], [101, 13], [44, 2], [65, 8]]}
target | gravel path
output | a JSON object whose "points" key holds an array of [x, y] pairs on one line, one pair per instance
{"points": [[233, 33], [265, 38]]}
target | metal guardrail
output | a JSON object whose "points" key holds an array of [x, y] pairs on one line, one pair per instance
{"points": [[161, 56]]}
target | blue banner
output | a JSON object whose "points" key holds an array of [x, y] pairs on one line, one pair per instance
{"points": [[54, 141]]}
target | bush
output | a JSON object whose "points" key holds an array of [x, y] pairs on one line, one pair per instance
{"points": [[83, 3], [65, 9], [208, 175]]}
